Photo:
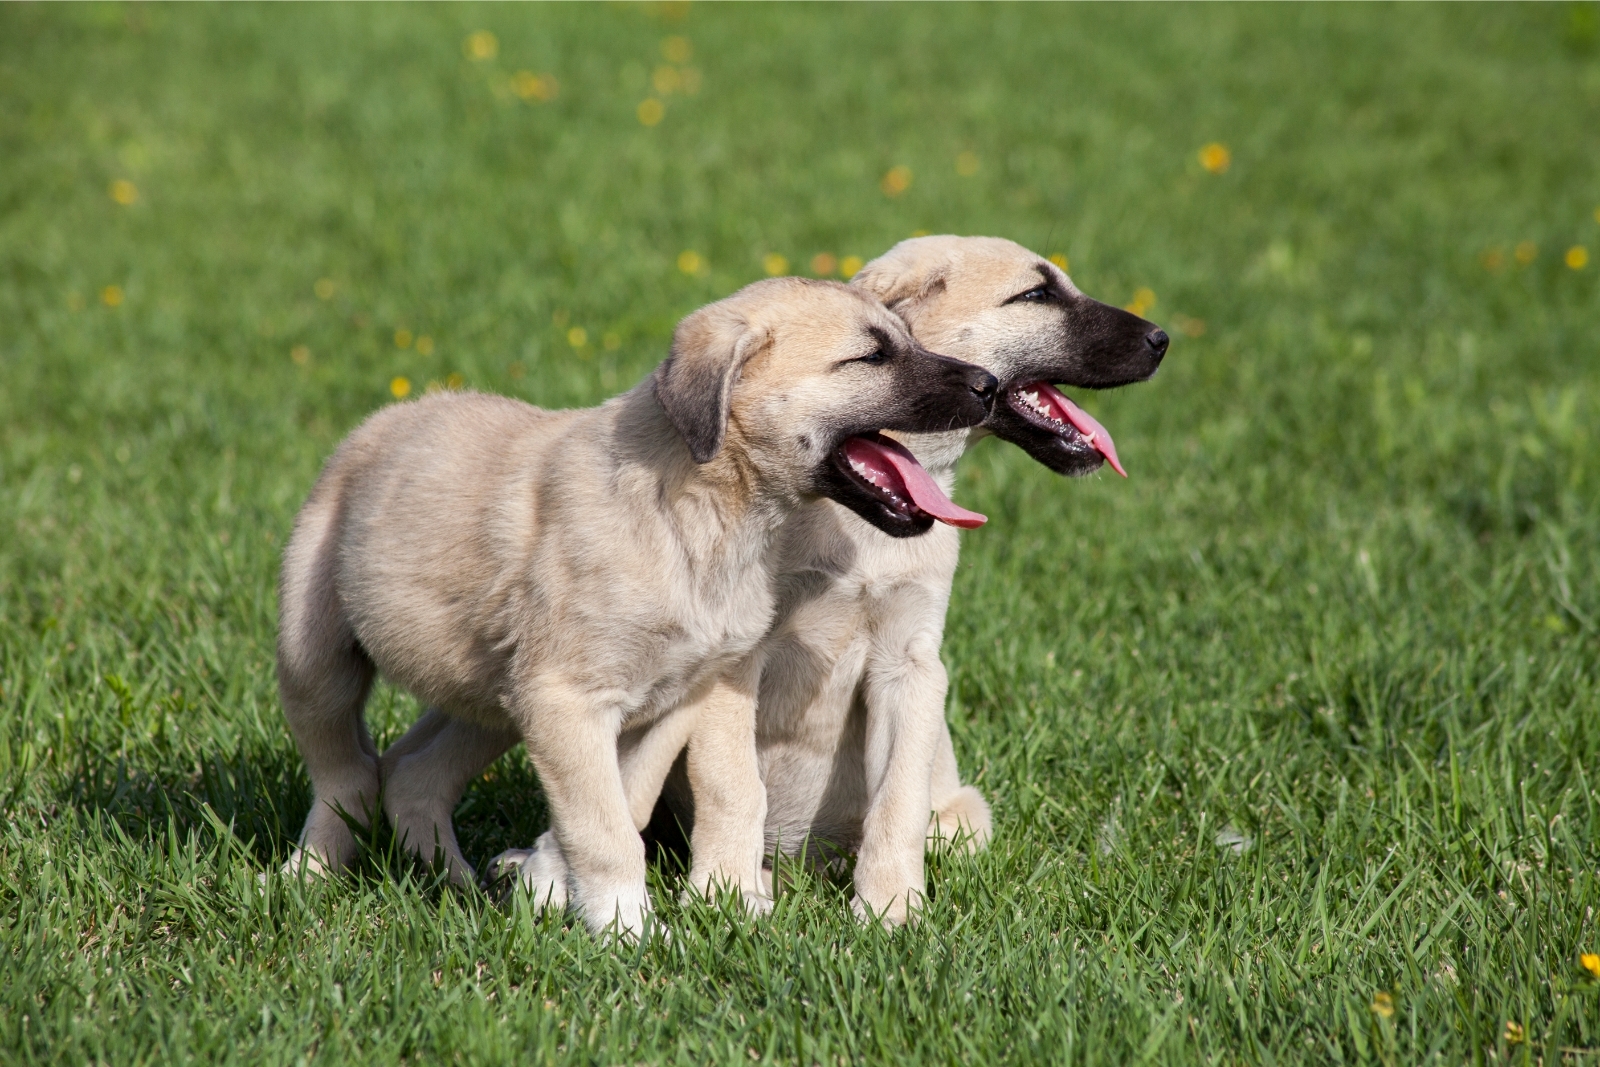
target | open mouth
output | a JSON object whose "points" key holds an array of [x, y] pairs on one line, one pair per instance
{"points": [[887, 471], [1043, 405]]}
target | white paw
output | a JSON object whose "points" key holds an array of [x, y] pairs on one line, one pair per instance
{"points": [[891, 915], [304, 863], [964, 823], [540, 871], [757, 902], [623, 911]]}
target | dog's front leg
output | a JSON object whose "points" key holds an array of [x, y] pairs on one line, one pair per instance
{"points": [[905, 693], [730, 800], [645, 755], [571, 736]]}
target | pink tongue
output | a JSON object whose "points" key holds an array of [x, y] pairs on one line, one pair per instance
{"points": [[892, 462], [1083, 422]]}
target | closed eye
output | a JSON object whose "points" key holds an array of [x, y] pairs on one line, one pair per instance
{"points": [[1039, 294], [873, 358], [882, 353]]}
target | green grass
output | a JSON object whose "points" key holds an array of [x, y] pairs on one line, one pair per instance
{"points": [[1305, 711]]}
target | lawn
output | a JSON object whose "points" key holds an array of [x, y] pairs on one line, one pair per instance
{"points": [[1293, 738]]}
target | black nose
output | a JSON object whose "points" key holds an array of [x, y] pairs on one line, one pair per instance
{"points": [[1157, 340], [985, 385]]}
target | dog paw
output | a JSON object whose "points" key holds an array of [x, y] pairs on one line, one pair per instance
{"points": [[305, 863], [962, 823], [758, 905], [540, 872], [623, 912], [893, 914]]}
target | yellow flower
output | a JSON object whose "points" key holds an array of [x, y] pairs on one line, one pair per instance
{"points": [[919, 233], [481, 45], [577, 337], [454, 380], [531, 86], [967, 164], [824, 264], [1143, 301], [1525, 252], [1383, 1004], [424, 345], [111, 296], [1492, 259], [774, 264], [1215, 157], [400, 387], [1577, 257], [897, 181], [1515, 1034], [666, 80], [1190, 327], [676, 49], [1590, 962], [849, 265], [325, 288], [124, 192], [652, 111], [300, 354], [1060, 260], [690, 262], [402, 338]]}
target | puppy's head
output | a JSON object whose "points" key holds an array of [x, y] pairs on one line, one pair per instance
{"points": [[994, 303], [794, 378]]}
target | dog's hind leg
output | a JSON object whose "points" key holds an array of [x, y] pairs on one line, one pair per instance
{"points": [[424, 774], [323, 677], [960, 814]]}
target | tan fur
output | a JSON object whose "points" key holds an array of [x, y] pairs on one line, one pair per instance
{"points": [[566, 578], [853, 744]]}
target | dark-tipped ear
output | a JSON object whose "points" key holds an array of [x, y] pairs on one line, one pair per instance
{"points": [[695, 384], [902, 281]]}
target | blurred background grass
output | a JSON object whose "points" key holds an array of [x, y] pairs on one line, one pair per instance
{"points": [[1291, 737]]}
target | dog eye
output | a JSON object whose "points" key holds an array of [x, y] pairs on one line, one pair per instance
{"points": [[1037, 295], [880, 356]]}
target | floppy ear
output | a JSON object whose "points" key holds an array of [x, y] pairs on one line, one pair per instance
{"points": [[903, 278], [695, 383]]}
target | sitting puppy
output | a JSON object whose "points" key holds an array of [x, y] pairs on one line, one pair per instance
{"points": [[558, 577], [854, 748]]}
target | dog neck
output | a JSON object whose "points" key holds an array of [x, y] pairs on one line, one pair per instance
{"points": [[724, 509]]}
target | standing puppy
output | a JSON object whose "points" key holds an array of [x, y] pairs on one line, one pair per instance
{"points": [[557, 577], [854, 747]]}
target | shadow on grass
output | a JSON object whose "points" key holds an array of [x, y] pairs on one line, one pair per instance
{"points": [[264, 794]]}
